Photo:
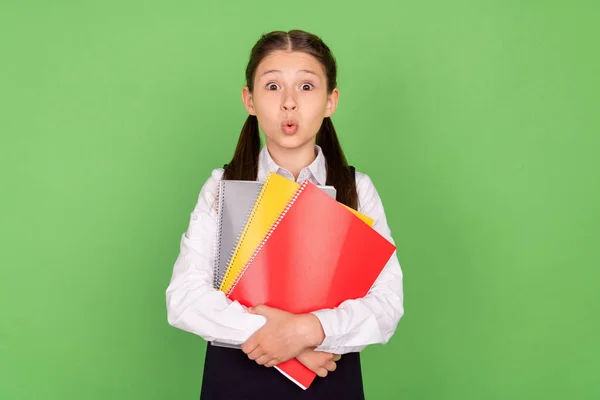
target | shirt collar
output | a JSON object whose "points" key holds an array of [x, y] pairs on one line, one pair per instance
{"points": [[317, 169]]}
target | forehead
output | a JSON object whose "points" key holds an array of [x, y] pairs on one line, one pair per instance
{"points": [[289, 61]]}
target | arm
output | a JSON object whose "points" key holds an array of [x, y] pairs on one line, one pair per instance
{"points": [[372, 319], [193, 305]]}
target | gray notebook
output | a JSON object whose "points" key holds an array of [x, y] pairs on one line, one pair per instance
{"points": [[235, 200]]}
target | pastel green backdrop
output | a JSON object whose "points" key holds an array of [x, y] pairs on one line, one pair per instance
{"points": [[477, 120]]}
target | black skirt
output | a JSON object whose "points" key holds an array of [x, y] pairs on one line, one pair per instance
{"points": [[230, 375]]}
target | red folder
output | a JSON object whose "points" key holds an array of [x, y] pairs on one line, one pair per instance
{"points": [[317, 255]]}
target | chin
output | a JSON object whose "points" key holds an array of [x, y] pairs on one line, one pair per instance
{"points": [[290, 141]]}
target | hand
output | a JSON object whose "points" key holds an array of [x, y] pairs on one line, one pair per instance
{"points": [[284, 336], [319, 362]]}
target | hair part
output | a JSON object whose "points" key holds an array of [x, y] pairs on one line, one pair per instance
{"points": [[244, 164]]}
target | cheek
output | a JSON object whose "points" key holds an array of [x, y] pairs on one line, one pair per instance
{"points": [[313, 107], [266, 105], [268, 115]]}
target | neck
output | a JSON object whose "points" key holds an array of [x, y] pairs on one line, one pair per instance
{"points": [[293, 160]]}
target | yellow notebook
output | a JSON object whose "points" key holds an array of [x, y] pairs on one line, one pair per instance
{"points": [[363, 217], [274, 197]]}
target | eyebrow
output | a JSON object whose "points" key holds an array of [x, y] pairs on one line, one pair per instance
{"points": [[302, 70]]}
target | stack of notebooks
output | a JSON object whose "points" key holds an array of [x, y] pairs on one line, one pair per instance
{"points": [[293, 247]]}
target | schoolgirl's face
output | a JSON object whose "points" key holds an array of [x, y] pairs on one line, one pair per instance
{"points": [[290, 98]]}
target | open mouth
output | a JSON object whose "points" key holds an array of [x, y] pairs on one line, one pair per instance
{"points": [[290, 126]]}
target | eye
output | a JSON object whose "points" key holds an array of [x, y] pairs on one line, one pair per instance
{"points": [[307, 84], [271, 84]]}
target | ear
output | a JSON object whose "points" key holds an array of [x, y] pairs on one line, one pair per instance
{"points": [[332, 100], [247, 99]]}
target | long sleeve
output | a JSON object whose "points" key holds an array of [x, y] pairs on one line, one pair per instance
{"points": [[193, 305], [372, 319]]}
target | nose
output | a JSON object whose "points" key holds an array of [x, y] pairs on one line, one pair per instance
{"points": [[289, 102]]}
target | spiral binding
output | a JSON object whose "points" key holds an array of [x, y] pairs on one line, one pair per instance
{"points": [[242, 234], [268, 235], [221, 275], [217, 248]]}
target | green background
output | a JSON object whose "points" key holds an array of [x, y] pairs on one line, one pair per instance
{"points": [[477, 120]]}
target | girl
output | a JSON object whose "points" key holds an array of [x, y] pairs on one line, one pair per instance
{"points": [[291, 94]]}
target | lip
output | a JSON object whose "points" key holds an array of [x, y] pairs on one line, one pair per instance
{"points": [[289, 126]]}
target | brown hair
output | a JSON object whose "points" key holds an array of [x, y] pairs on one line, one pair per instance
{"points": [[244, 164]]}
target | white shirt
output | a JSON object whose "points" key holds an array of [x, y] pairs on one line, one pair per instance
{"points": [[193, 305]]}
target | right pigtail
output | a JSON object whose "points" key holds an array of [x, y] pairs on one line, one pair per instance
{"points": [[339, 173], [244, 164]]}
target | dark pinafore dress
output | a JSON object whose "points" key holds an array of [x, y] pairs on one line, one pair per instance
{"points": [[230, 375]]}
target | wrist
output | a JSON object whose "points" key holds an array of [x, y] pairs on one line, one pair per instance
{"points": [[313, 330]]}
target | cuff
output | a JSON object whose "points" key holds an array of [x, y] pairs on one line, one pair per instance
{"points": [[327, 318], [341, 350]]}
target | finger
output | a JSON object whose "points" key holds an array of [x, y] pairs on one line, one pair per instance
{"points": [[256, 353], [263, 359], [250, 345], [261, 309], [322, 372], [272, 363], [331, 366], [337, 357]]}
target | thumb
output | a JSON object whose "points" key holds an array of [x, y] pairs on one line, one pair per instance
{"points": [[260, 309]]}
